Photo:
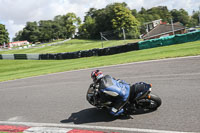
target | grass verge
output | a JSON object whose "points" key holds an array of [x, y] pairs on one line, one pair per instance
{"points": [[15, 69]]}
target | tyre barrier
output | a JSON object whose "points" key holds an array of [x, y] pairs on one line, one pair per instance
{"points": [[19, 56], [118, 49], [73, 55]]}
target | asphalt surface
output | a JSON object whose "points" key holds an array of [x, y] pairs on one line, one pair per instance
{"points": [[61, 98]]}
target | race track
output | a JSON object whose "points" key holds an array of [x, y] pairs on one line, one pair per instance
{"points": [[60, 98]]}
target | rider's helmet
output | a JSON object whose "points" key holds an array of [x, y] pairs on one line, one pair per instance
{"points": [[96, 75]]}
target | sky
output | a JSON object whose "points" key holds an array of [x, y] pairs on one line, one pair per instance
{"points": [[15, 13]]}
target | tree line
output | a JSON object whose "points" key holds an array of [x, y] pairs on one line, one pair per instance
{"points": [[61, 27], [114, 17], [3, 35]]}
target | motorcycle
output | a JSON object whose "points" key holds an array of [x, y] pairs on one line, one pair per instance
{"points": [[143, 100]]}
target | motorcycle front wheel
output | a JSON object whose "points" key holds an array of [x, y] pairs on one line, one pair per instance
{"points": [[151, 102], [155, 101]]}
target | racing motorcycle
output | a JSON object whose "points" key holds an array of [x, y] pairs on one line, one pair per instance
{"points": [[145, 101]]}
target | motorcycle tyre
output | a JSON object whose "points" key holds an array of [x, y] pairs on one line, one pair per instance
{"points": [[154, 100]]}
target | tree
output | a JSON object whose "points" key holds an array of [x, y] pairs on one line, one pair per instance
{"points": [[134, 12], [92, 13], [123, 18], [66, 25], [113, 17], [59, 27], [57, 34], [3, 35], [142, 11], [46, 30], [18, 36], [195, 19], [87, 29], [69, 23], [180, 16], [154, 13], [30, 32]]}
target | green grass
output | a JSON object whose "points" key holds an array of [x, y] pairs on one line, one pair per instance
{"points": [[70, 46], [15, 69]]}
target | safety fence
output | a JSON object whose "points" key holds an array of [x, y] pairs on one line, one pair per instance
{"points": [[170, 40], [163, 41]]}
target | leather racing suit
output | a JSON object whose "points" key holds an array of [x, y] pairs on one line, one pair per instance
{"points": [[118, 90]]}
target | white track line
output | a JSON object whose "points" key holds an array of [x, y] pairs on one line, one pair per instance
{"points": [[51, 125], [46, 130]]}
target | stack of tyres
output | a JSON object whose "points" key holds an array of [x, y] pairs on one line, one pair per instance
{"points": [[94, 52], [20, 56], [88, 53], [76, 54], [114, 50], [43, 57], [59, 56], [132, 47], [70, 55], [51, 56], [66, 56], [104, 51], [83, 53], [100, 52]]}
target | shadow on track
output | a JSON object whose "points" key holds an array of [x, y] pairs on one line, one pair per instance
{"points": [[93, 115], [90, 115]]}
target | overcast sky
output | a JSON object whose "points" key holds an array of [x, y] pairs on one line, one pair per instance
{"points": [[15, 13]]}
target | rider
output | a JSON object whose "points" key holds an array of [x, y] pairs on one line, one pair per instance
{"points": [[110, 87], [119, 90]]}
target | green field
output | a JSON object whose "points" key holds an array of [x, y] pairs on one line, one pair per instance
{"points": [[15, 69], [69, 46]]}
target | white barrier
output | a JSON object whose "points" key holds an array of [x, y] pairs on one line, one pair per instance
{"points": [[8, 56], [32, 56]]}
